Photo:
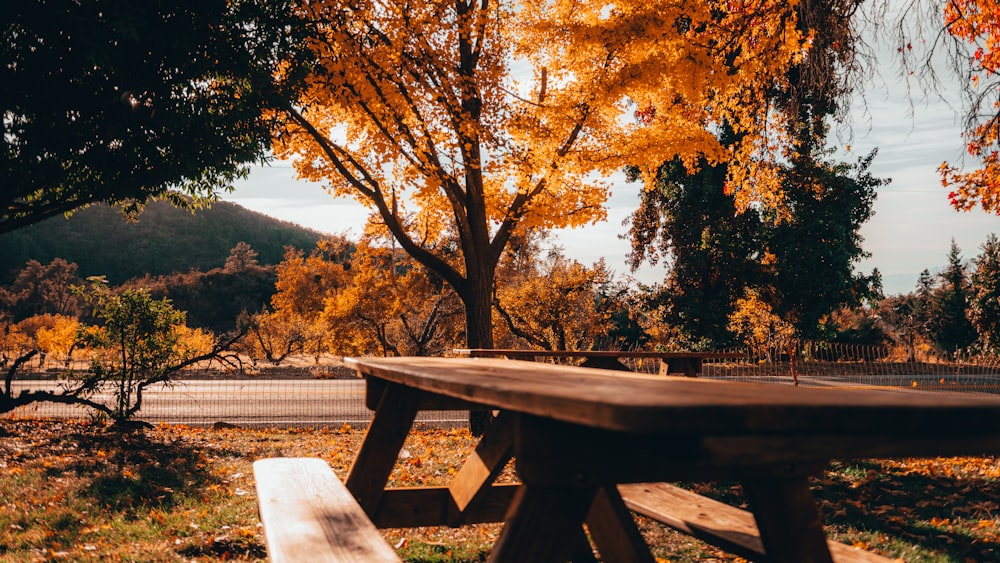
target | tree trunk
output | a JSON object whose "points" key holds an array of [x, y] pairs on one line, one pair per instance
{"points": [[478, 303]]}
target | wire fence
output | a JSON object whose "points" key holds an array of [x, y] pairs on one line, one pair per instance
{"points": [[334, 396]]}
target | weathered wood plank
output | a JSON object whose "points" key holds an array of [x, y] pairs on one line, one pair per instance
{"points": [[384, 439], [544, 525], [727, 527], [434, 506], [480, 470], [310, 516], [614, 531], [672, 406]]}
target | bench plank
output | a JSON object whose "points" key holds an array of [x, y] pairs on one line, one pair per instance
{"points": [[310, 516], [717, 523]]}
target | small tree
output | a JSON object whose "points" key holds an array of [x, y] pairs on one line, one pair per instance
{"points": [[135, 345], [141, 341], [554, 304], [273, 337], [759, 327]]}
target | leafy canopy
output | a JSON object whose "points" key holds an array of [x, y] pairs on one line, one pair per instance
{"points": [[118, 102], [973, 23], [475, 121]]}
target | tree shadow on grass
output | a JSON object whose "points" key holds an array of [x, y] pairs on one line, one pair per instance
{"points": [[941, 513], [95, 486], [129, 470]]}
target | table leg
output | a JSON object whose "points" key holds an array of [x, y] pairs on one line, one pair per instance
{"points": [[604, 363], [384, 439], [582, 552], [689, 367], [788, 520], [614, 531], [544, 524], [482, 467]]}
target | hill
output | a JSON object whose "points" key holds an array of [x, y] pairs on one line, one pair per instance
{"points": [[164, 240]]}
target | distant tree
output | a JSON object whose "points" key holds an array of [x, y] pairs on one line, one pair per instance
{"points": [[984, 306], [272, 337], [164, 241], [123, 102], [213, 300], [801, 262], [42, 289], [626, 312], [45, 335], [812, 253], [304, 283], [688, 220], [392, 305], [13, 342], [858, 325], [897, 315], [923, 306], [555, 304], [759, 327], [58, 340], [907, 318], [241, 258], [950, 328]]}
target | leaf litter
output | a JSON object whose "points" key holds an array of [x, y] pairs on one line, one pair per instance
{"points": [[73, 491]]}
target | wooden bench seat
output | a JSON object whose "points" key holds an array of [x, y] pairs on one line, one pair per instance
{"points": [[717, 523], [310, 516]]}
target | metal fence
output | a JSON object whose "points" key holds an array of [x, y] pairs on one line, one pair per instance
{"points": [[332, 396]]}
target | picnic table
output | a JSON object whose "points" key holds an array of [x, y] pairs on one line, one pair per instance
{"points": [[686, 363], [582, 436]]}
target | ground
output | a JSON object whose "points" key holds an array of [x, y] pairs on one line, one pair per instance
{"points": [[72, 491]]}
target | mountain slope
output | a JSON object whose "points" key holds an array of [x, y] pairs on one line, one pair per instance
{"points": [[164, 240]]}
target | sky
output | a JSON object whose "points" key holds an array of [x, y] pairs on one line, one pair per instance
{"points": [[911, 230]]}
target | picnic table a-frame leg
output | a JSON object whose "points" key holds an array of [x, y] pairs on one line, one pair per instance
{"points": [[394, 416], [788, 519], [544, 524]]}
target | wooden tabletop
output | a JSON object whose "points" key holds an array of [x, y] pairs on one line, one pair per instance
{"points": [[576, 433], [494, 352], [675, 405]]}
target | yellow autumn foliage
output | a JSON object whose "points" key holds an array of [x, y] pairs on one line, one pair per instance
{"points": [[484, 120], [757, 325]]}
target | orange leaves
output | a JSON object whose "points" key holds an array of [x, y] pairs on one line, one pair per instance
{"points": [[550, 302], [974, 21], [525, 104]]}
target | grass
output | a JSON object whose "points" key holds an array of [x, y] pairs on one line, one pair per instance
{"points": [[76, 492]]}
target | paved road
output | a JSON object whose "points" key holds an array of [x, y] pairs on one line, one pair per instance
{"points": [[247, 402], [329, 402]]}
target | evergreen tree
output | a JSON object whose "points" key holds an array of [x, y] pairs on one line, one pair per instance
{"points": [[241, 258], [950, 328], [985, 301]]}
